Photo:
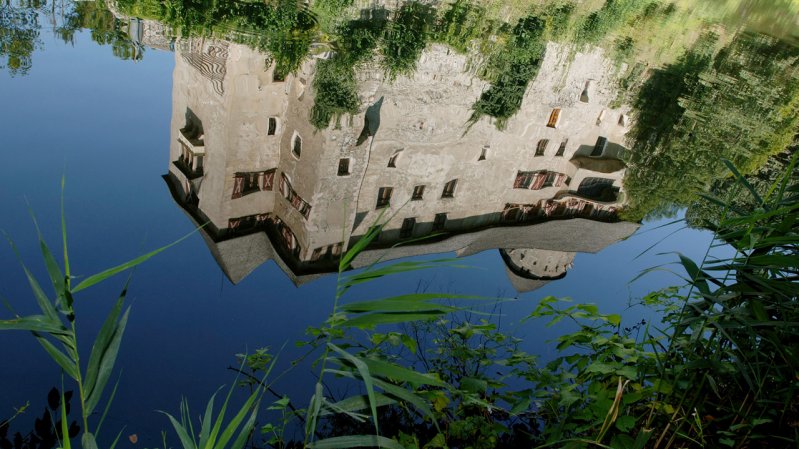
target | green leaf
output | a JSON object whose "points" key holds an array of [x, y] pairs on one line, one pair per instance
{"points": [[625, 423], [363, 370], [698, 277], [357, 403], [35, 323], [237, 419], [66, 363], [396, 372], [361, 244], [53, 270], [108, 407], [101, 345], [106, 364], [103, 275], [205, 427], [521, 406], [314, 408], [642, 438], [65, 444], [64, 236], [745, 183], [474, 385], [369, 321], [87, 441], [355, 441], [183, 435], [397, 392], [246, 429]]}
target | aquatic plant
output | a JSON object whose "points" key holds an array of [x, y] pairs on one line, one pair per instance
{"points": [[56, 329]]}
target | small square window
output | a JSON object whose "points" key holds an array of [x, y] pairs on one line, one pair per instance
{"points": [[344, 166], [541, 147], [599, 146], [407, 227], [383, 197], [483, 153], [439, 221], [554, 118], [418, 193], [449, 189], [562, 148]]}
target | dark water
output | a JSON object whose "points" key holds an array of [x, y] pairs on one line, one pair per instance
{"points": [[108, 118]]}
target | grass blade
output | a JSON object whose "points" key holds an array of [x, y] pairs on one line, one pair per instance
{"points": [[64, 234], [363, 370], [205, 427], [34, 323], [103, 275], [66, 363], [356, 403], [234, 423], [371, 320], [396, 372], [101, 344], [246, 430], [184, 437], [65, 443], [107, 364], [107, 407]]}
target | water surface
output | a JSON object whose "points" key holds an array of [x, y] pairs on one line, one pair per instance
{"points": [[125, 99]]}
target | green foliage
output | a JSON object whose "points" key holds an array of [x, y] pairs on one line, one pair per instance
{"points": [[56, 329], [405, 38], [461, 25], [19, 35], [612, 15], [516, 66], [740, 104], [212, 435]]}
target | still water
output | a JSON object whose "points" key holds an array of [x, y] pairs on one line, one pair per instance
{"points": [[549, 151]]}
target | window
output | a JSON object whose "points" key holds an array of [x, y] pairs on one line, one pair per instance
{"points": [[245, 183], [296, 145], [523, 180], [292, 197], [600, 118], [549, 181], [268, 179], [383, 197], [599, 147], [344, 166], [541, 147], [418, 192], [483, 153], [392, 161], [584, 96], [562, 148], [272, 128], [554, 118], [407, 227], [439, 221], [449, 189]]}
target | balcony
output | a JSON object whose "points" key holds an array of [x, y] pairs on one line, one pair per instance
{"points": [[190, 161]]}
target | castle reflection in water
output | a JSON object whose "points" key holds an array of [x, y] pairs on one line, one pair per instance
{"points": [[245, 159]]}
